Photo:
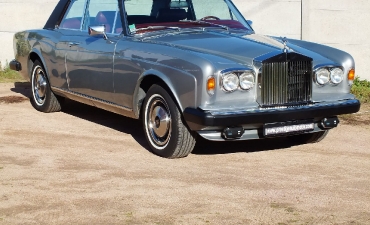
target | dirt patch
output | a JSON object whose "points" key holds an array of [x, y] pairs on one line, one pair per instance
{"points": [[13, 99], [360, 118]]}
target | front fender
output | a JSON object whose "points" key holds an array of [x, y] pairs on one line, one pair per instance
{"points": [[336, 55], [36, 52], [182, 85]]}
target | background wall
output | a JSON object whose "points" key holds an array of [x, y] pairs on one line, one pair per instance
{"points": [[338, 23]]}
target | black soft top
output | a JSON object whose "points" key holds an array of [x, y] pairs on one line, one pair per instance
{"points": [[57, 14]]}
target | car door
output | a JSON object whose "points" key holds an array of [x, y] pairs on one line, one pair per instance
{"points": [[89, 59], [69, 28]]}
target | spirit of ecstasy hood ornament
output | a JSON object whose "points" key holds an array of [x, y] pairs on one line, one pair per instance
{"points": [[285, 41]]}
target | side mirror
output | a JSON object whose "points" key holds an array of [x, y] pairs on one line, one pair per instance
{"points": [[250, 22], [98, 30]]}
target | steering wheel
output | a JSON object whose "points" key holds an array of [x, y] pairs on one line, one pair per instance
{"points": [[210, 17]]}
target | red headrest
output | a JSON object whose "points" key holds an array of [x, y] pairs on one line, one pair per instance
{"points": [[72, 23], [101, 19]]}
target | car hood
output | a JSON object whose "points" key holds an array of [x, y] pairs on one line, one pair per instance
{"points": [[240, 48]]}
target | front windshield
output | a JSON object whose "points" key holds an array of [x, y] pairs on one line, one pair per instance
{"points": [[146, 15]]}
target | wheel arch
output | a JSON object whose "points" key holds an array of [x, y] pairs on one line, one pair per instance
{"points": [[33, 56], [151, 77]]}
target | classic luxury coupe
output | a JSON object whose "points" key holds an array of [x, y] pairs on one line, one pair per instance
{"points": [[186, 68]]}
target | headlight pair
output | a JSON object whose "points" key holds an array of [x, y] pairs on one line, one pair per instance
{"points": [[325, 75], [233, 80]]}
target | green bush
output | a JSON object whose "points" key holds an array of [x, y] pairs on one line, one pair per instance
{"points": [[8, 75], [361, 88]]}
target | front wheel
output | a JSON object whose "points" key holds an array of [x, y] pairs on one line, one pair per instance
{"points": [[165, 132], [309, 138]]}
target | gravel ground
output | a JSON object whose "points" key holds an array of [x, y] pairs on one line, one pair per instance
{"points": [[87, 166]]}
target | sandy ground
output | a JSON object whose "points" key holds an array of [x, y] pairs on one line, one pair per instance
{"points": [[87, 166]]}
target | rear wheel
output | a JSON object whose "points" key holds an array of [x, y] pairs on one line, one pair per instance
{"points": [[165, 132], [309, 138], [43, 99]]}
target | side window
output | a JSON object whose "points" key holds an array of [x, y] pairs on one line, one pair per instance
{"points": [[103, 12], [73, 17]]}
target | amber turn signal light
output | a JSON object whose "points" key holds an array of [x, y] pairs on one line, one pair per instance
{"points": [[211, 85], [351, 75]]}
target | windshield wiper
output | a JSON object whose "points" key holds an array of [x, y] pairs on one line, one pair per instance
{"points": [[208, 23], [157, 28]]}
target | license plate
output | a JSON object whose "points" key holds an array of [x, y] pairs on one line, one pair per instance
{"points": [[285, 128]]}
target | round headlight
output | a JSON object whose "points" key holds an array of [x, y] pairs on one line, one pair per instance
{"points": [[230, 82], [336, 75], [246, 80], [322, 76]]}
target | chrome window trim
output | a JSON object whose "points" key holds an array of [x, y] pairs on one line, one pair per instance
{"points": [[115, 20], [83, 19]]}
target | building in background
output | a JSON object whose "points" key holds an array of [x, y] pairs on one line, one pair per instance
{"points": [[337, 23]]}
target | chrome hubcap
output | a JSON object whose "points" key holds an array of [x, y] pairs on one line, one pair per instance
{"points": [[39, 85], [159, 121]]}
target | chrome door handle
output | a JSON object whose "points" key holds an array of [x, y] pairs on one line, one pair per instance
{"points": [[73, 44]]}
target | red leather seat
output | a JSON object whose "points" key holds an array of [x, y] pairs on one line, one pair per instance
{"points": [[72, 23]]}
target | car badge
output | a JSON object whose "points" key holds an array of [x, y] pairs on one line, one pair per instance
{"points": [[285, 41]]}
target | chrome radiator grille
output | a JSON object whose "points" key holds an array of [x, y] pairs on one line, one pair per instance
{"points": [[286, 83]]}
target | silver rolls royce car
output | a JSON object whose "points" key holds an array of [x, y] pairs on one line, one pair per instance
{"points": [[186, 68]]}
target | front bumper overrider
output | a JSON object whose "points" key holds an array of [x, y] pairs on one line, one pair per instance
{"points": [[15, 65]]}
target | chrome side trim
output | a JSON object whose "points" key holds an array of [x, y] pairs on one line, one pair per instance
{"points": [[98, 100], [257, 110]]}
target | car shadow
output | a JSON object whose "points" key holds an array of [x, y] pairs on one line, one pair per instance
{"points": [[108, 119], [23, 88], [134, 128], [205, 147]]}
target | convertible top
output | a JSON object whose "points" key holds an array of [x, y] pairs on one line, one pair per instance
{"points": [[55, 16]]}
